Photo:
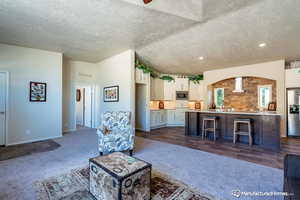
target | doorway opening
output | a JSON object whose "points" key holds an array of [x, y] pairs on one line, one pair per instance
{"points": [[3, 107], [84, 107], [142, 111]]}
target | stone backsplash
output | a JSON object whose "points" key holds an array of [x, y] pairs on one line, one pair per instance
{"points": [[248, 100]]}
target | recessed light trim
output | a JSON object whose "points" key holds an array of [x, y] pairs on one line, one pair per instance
{"points": [[262, 45]]}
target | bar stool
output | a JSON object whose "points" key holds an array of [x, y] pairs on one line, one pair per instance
{"points": [[236, 130], [205, 129]]}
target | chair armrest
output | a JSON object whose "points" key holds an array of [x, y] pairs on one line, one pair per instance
{"points": [[292, 166]]}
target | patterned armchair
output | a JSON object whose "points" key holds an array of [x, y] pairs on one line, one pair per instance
{"points": [[115, 132]]}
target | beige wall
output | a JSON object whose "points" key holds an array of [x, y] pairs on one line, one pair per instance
{"points": [[75, 73], [118, 70], [292, 79], [271, 70], [32, 121]]}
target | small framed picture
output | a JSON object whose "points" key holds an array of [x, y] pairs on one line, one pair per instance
{"points": [[38, 92], [111, 94], [272, 106]]}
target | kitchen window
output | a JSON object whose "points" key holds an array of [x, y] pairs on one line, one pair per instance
{"points": [[264, 95], [219, 97]]}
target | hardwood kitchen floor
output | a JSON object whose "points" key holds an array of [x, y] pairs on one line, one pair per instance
{"points": [[239, 151]]}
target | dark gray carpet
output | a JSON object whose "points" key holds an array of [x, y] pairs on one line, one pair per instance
{"points": [[19, 150]]}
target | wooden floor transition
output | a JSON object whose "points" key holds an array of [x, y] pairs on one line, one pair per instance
{"points": [[225, 148]]}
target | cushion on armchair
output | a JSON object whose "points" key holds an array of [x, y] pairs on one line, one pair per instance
{"points": [[115, 132]]}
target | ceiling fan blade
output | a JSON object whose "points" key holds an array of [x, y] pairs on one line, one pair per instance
{"points": [[147, 1]]}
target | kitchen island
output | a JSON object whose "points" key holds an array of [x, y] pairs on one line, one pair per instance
{"points": [[265, 126]]}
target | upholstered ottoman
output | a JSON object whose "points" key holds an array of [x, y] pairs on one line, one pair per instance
{"points": [[118, 176]]}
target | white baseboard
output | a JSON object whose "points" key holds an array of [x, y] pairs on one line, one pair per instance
{"points": [[174, 125], [34, 140], [168, 125]]}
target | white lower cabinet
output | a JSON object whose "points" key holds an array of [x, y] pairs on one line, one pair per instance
{"points": [[163, 118], [180, 117], [170, 117], [157, 119]]}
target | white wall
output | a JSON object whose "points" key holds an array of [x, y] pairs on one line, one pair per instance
{"points": [[76, 73], [292, 78], [32, 121], [118, 70], [272, 70]]}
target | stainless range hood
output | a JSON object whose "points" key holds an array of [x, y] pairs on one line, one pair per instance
{"points": [[238, 85]]}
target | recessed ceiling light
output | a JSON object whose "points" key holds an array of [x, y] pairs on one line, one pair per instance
{"points": [[201, 58], [262, 44]]}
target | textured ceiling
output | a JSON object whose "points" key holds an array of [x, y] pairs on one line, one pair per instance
{"points": [[231, 39], [89, 30], [170, 36]]}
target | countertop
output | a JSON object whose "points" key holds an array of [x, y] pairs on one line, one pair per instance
{"points": [[235, 112], [170, 109]]}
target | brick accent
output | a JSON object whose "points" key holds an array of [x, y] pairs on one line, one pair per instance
{"points": [[248, 100]]}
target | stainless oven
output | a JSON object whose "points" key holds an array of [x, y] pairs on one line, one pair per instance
{"points": [[182, 95]]}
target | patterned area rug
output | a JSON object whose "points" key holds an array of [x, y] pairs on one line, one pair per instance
{"points": [[19, 150], [75, 186]]}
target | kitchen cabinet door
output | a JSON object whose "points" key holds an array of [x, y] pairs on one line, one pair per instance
{"points": [[196, 91], [141, 77], [162, 117], [152, 89], [159, 89], [180, 116], [137, 75], [182, 84], [171, 117], [145, 78], [152, 118], [169, 91], [156, 89]]}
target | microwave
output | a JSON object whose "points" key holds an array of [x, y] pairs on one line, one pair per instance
{"points": [[182, 95]]}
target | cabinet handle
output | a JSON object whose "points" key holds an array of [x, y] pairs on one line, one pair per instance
{"points": [[2, 113]]}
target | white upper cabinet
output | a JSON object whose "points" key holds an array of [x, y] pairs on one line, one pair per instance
{"points": [[169, 90], [182, 84], [157, 89], [141, 77], [152, 89], [196, 91]]}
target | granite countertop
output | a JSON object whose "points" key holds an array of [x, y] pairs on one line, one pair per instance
{"points": [[235, 112], [162, 109]]}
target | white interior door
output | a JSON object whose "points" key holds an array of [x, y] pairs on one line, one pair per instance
{"points": [[3, 78]]}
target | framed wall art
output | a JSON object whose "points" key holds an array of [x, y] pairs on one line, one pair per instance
{"points": [[38, 92], [111, 94]]}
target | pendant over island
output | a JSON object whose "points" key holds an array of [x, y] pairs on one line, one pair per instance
{"points": [[264, 127]]}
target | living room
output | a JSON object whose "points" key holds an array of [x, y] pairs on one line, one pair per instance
{"points": [[202, 98]]}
